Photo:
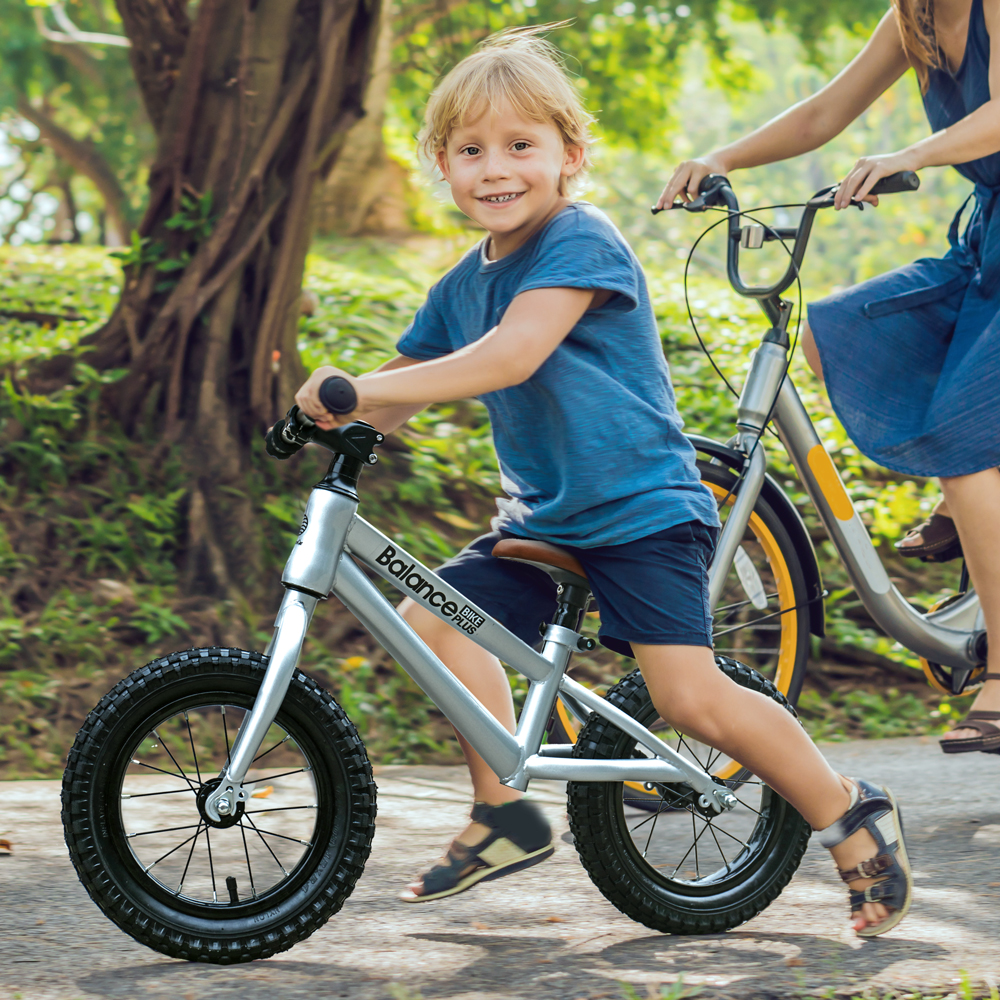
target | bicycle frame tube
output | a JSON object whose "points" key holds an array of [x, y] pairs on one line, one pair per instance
{"points": [[515, 758], [333, 536], [925, 635]]}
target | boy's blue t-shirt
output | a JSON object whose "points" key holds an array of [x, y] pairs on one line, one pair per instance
{"points": [[590, 447]]}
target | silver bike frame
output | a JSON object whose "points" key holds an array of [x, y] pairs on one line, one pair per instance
{"points": [[327, 557], [950, 636]]}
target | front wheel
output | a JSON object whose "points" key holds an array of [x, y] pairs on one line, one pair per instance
{"points": [[681, 869], [143, 845]]}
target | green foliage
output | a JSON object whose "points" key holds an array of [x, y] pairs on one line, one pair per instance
{"points": [[624, 55]]}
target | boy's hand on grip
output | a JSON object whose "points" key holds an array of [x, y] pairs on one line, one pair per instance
{"points": [[309, 401]]}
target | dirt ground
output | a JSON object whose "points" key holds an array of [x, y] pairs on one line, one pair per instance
{"points": [[547, 933]]}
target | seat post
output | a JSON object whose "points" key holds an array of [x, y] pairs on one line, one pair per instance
{"points": [[572, 603]]}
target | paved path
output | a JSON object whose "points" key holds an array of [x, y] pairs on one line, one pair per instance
{"points": [[546, 934]]}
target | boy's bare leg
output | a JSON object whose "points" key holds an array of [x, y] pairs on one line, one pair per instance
{"points": [[693, 695], [974, 503], [482, 674]]}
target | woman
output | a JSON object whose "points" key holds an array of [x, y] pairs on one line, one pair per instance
{"points": [[924, 400]]}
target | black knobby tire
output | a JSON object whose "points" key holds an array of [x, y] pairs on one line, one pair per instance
{"points": [[615, 843], [111, 752]]}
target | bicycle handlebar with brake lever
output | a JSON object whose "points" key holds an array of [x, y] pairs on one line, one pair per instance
{"points": [[715, 191]]}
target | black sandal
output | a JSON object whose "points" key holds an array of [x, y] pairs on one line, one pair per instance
{"points": [[940, 540], [875, 810], [988, 740], [519, 837]]}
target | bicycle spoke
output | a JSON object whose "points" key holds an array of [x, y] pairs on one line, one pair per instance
{"points": [[284, 774], [146, 795], [171, 851], [261, 812], [266, 844], [271, 833], [194, 843], [167, 829], [153, 767], [693, 847], [731, 837], [211, 867], [275, 747], [697, 866], [725, 860], [173, 758], [745, 806], [742, 604], [246, 851], [653, 827], [684, 743], [194, 753]]}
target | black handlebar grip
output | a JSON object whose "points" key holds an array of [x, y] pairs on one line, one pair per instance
{"points": [[338, 395], [905, 180]]}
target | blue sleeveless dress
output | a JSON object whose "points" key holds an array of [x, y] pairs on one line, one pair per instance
{"points": [[912, 358]]}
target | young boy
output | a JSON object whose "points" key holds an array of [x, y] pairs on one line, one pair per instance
{"points": [[548, 321]]}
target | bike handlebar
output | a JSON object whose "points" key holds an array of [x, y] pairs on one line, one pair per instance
{"points": [[715, 190], [289, 435], [338, 395]]}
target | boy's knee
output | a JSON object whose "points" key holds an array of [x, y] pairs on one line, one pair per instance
{"points": [[689, 712]]}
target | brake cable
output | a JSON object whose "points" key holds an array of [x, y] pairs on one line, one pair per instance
{"points": [[798, 318]]}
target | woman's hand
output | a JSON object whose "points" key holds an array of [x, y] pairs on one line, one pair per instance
{"points": [[308, 399], [867, 171], [685, 179]]}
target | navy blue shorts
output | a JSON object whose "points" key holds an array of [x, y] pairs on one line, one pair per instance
{"points": [[653, 591]]}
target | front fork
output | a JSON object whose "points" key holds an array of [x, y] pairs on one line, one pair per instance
{"points": [[308, 576]]}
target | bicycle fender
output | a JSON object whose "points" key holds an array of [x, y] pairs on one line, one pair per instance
{"points": [[790, 518]]}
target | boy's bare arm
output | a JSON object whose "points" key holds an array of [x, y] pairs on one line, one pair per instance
{"points": [[389, 418], [533, 326]]}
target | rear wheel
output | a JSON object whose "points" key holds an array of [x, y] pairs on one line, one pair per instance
{"points": [[677, 868], [143, 845]]}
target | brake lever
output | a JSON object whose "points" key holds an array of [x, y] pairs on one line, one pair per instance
{"points": [[695, 205]]}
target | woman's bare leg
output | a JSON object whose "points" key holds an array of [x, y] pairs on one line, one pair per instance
{"points": [[695, 697], [810, 350], [974, 503]]}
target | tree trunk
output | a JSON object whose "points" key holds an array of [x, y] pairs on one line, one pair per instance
{"points": [[251, 102], [365, 191]]}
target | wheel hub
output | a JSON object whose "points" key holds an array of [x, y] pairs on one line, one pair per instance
{"points": [[223, 822]]}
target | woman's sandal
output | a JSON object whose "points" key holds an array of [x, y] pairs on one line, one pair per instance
{"points": [[519, 837], [875, 810], [988, 740], [940, 542]]}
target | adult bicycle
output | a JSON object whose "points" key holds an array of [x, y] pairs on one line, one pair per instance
{"points": [[766, 590]]}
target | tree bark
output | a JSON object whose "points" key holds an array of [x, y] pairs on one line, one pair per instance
{"points": [[251, 102], [84, 158]]}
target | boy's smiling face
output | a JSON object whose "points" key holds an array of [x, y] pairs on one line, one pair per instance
{"points": [[505, 171]]}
